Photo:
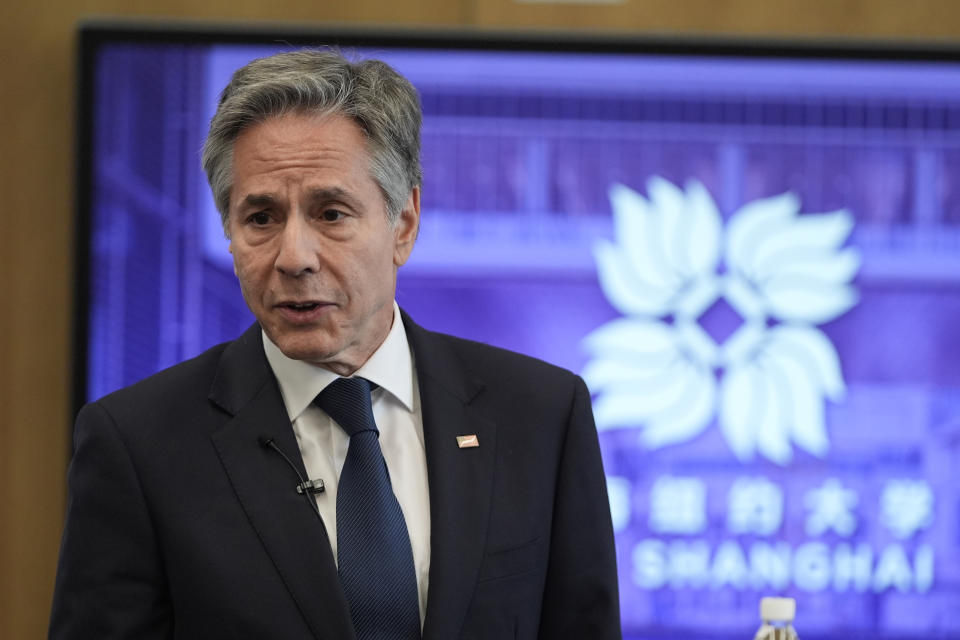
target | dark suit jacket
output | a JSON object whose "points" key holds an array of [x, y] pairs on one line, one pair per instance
{"points": [[180, 525]]}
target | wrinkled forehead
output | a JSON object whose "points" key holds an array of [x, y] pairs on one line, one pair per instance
{"points": [[281, 139]]}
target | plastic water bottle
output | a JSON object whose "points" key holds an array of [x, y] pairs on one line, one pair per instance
{"points": [[777, 615]]}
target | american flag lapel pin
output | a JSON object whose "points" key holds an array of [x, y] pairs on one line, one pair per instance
{"points": [[465, 442]]}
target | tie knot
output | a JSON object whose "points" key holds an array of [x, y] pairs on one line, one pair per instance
{"points": [[347, 401]]}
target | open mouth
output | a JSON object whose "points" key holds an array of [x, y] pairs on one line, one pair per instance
{"points": [[301, 306]]}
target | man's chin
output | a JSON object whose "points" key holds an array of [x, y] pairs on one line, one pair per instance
{"points": [[309, 348], [313, 355], [332, 357]]}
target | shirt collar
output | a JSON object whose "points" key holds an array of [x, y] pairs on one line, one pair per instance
{"points": [[390, 367]]}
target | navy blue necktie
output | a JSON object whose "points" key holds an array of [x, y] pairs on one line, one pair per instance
{"points": [[374, 558]]}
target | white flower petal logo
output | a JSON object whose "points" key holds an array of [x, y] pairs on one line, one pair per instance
{"points": [[657, 369]]}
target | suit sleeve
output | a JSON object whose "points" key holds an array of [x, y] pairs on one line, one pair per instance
{"points": [[581, 596], [110, 581]]}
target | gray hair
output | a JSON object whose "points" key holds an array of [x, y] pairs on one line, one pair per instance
{"points": [[379, 100]]}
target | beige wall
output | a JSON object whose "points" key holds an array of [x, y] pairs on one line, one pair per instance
{"points": [[36, 223], [804, 18]]}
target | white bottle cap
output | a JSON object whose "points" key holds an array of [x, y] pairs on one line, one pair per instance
{"points": [[778, 609]]}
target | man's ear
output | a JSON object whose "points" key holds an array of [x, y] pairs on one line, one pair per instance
{"points": [[406, 228], [233, 258]]}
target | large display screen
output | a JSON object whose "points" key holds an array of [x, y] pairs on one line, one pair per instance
{"points": [[751, 255]]}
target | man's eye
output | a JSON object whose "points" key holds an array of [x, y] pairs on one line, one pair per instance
{"points": [[259, 218], [331, 215]]}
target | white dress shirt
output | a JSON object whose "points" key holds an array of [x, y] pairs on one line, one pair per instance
{"points": [[396, 409]]}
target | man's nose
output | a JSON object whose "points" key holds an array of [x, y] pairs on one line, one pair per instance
{"points": [[297, 253]]}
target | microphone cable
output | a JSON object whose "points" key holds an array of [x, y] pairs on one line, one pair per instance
{"points": [[306, 488]]}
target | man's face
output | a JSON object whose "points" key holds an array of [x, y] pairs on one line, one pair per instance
{"points": [[312, 246]]}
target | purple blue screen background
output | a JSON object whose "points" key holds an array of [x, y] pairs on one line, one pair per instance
{"points": [[519, 152]]}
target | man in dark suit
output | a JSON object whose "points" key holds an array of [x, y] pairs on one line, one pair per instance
{"points": [[477, 509]]}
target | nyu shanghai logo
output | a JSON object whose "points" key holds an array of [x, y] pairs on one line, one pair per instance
{"points": [[659, 370]]}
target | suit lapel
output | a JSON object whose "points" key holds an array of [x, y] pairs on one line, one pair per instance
{"points": [[293, 535], [461, 480], [460, 483]]}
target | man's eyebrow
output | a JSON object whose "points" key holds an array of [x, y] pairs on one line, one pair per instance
{"points": [[260, 199], [322, 194], [319, 194]]}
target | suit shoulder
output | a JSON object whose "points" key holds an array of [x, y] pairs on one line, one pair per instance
{"points": [[190, 379], [511, 368]]}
